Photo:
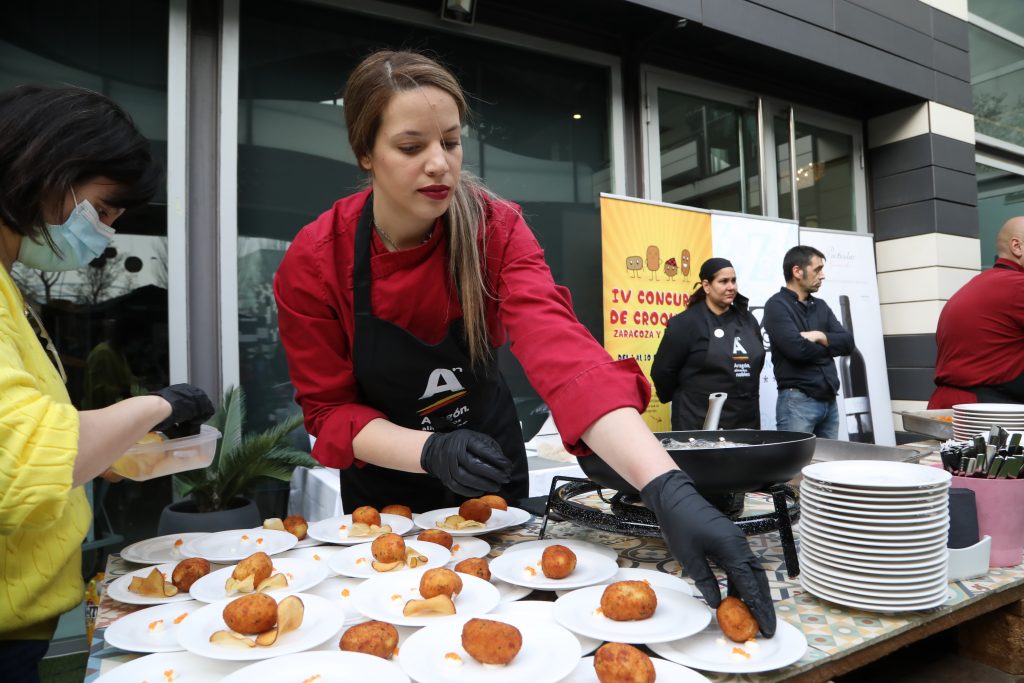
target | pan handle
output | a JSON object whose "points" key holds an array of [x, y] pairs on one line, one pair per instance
{"points": [[715, 403]]}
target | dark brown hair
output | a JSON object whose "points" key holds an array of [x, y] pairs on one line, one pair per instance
{"points": [[373, 83], [53, 138]]}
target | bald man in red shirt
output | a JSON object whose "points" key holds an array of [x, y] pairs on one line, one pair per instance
{"points": [[980, 335]]}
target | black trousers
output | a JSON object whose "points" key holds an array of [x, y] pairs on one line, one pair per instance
{"points": [[19, 660]]}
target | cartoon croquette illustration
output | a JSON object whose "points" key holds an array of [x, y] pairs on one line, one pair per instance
{"points": [[634, 264], [653, 260], [671, 268], [684, 262]]}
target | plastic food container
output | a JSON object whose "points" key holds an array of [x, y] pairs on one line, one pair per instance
{"points": [[151, 460]]}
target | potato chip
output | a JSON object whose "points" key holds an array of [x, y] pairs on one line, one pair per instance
{"points": [[153, 586], [274, 523], [231, 639], [273, 583], [289, 617], [360, 529], [439, 604], [246, 585]]}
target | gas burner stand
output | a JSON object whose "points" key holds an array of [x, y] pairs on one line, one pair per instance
{"points": [[630, 518]]}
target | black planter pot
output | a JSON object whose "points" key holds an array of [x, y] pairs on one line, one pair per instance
{"points": [[183, 517]]}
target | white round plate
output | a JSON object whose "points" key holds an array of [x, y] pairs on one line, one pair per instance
{"points": [[341, 591], [307, 542], [320, 621], [132, 631], [518, 516], [864, 591], [870, 604], [324, 667], [357, 560], [877, 474], [549, 654], [238, 544], [523, 569], [499, 519], [510, 592], [883, 527], [384, 597], [159, 550], [851, 496], [466, 547], [873, 507], [317, 553], [710, 650], [570, 543], [335, 529], [118, 589], [814, 506], [664, 671], [920, 560], [651, 576], [677, 616], [988, 408], [905, 536], [186, 667], [301, 574], [869, 567], [543, 610]]}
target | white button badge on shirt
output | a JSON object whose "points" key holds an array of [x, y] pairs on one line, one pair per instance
{"points": [[719, 333]]}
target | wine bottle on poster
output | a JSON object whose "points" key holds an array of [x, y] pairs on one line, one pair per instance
{"points": [[855, 384]]}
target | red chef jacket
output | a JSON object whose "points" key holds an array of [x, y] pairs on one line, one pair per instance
{"points": [[980, 335], [412, 289]]}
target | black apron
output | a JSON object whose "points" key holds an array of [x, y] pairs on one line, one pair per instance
{"points": [[732, 364], [422, 386]]}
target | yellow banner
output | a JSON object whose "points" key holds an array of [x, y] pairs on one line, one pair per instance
{"points": [[651, 255]]}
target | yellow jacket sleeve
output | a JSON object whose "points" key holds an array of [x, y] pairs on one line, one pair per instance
{"points": [[38, 426]]}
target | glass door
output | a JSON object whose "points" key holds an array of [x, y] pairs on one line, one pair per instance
{"points": [[703, 150]]}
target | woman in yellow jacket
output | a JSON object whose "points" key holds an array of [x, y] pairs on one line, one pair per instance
{"points": [[71, 161]]}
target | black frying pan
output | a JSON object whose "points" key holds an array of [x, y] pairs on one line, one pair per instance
{"points": [[771, 457]]}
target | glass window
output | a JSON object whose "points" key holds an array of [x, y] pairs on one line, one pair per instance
{"points": [[708, 153], [824, 175], [1009, 15], [1000, 198], [997, 84], [108, 321], [539, 136]]}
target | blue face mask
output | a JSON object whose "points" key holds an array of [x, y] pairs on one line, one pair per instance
{"points": [[79, 240]]}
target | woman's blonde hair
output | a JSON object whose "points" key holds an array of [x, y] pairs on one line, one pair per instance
{"points": [[369, 89]]}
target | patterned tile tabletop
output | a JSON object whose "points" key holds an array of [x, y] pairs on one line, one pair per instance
{"points": [[830, 629]]}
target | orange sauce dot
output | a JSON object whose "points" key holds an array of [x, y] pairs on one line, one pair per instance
{"points": [[180, 618]]}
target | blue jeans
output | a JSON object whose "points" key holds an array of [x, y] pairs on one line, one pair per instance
{"points": [[19, 659], [795, 411]]}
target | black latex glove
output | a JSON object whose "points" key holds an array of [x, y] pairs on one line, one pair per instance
{"points": [[467, 462], [190, 408], [695, 531]]}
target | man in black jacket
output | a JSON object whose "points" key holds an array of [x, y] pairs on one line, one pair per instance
{"points": [[805, 336]]}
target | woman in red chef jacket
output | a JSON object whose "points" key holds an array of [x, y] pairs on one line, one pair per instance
{"points": [[392, 305]]}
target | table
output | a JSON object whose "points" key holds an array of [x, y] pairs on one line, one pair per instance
{"points": [[840, 639]]}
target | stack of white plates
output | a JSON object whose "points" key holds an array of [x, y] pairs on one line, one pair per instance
{"points": [[873, 534], [971, 419]]}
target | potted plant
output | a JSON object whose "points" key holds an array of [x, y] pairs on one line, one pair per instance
{"points": [[214, 497]]}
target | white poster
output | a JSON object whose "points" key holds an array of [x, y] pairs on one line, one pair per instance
{"points": [[851, 291], [756, 247]]}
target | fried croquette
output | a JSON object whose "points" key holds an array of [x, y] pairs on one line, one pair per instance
{"points": [[494, 502], [366, 515], [388, 548], [476, 510], [257, 565], [437, 536], [188, 572], [477, 566], [296, 525], [251, 614], [375, 638], [621, 663], [557, 561], [440, 581], [491, 642], [402, 510], [736, 621], [628, 601]]}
